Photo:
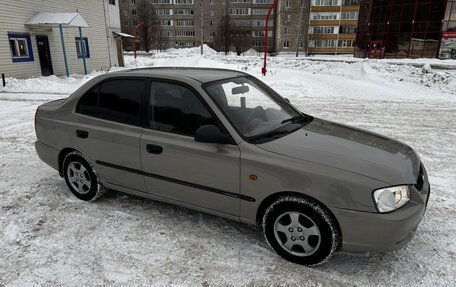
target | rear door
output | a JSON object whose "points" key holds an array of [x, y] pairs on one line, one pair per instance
{"points": [[177, 167], [108, 130]]}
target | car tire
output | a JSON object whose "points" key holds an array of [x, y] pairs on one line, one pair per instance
{"points": [[301, 230], [81, 177]]}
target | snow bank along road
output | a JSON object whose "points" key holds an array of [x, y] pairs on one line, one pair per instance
{"points": [[48, 237]]}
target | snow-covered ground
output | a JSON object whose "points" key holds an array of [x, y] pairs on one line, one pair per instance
{"points": [[48, 237]]}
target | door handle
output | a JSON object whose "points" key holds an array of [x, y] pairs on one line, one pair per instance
{"points": [[155, 149], [82, 134]]}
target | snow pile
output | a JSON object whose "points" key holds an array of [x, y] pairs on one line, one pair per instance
{"points": [[379, 78], [47, 85], [444, 80]]}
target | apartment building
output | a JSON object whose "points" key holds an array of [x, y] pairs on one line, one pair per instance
{"points": [[44, 37], [332, 26], [307, 26], [181, 19], [292, 26]]}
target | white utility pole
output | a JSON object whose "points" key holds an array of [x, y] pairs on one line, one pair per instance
{"points": [[202, 25]]}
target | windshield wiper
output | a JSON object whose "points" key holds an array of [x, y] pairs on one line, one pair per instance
{"points": [[297, 119], [272, 134]]}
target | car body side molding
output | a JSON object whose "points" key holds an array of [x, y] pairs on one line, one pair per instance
{"points": [[177, 181]]}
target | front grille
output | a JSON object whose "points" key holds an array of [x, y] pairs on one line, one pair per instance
{"points": [[420, 182]]}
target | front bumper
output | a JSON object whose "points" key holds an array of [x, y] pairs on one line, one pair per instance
{"points": [[365, 231]]}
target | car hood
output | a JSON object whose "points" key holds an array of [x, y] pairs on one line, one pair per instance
{"points": [[350, 149]]}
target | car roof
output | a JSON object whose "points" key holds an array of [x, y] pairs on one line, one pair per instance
{"points": [[202, 75]]}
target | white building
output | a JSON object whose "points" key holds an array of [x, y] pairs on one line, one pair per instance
{"points": [[31, 34]]}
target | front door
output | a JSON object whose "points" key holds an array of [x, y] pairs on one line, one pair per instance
{"points": [[177, 167], [45, 55]]}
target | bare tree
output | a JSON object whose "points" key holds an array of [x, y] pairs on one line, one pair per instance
{"points": [[161, 39], [146, 14], [302, 31], [222, 37], [241, 38]]}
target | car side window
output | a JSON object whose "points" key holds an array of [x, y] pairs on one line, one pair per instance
{"points": [[120, 101], [117, 100], [177, 109], [88, 105]]}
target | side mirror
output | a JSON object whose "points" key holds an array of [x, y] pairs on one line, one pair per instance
{"points": [[286, 99], [210, 134]]}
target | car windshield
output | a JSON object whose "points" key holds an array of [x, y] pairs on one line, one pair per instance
{"points": [[254, 109]]}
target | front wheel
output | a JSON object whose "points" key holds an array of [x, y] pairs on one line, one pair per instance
{"points": [[301, 230], [81, 177]]}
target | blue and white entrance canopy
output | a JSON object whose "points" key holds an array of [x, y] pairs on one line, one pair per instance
{"points": [[61, 20]]}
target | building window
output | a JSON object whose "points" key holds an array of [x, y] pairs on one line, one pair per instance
{"points": [[165, 22], [287, 4], [133, 1], [184, 23], [240, 11], [346, 43], [183, 11], [260, 11], [185, 33], [323, 30], [185, 44], [322, 43], [324, 16], [21, 47], [347, 30], [112, 2], [212, 2], [212, 12], [241, 22], [163, 11], [189, 2], [85, 44], [285, 31], [212, 23], [326, 2], [133, 12], [350, 2], [286, 44], [260, 33], [349, 15]]}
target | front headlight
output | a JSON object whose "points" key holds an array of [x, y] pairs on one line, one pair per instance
{"points": [[391, 198]]}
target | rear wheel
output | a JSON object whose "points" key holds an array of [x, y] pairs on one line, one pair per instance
{"points": [[81, 177], [301, 230]]}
